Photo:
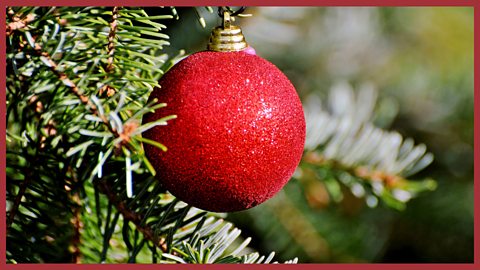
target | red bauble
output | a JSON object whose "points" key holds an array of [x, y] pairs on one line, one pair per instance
{"points": [[239, 134]]}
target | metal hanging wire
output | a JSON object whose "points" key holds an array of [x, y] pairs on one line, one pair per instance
{"points": [[222, 10]]}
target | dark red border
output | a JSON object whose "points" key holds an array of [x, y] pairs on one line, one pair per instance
{"points": [[476, 131], [3, 162], [475, 4], [251, 267], [243, 3]]}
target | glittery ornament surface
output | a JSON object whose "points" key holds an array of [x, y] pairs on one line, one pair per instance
{"points": [[239, 134]]}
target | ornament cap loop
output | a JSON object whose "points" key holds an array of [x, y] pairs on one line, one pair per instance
{"points": [[227, 22]]}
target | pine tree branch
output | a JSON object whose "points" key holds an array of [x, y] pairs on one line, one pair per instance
{"points": [[84, 99], [72, 86], [131, 216]]}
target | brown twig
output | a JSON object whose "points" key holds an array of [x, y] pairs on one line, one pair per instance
{"points": [[18, 199], [390, 180], [17, 22], [10, 13], [131, 216], [111, 39], [77, 226], [107, 89], [76, 218], [299, 227], [22, 188]]}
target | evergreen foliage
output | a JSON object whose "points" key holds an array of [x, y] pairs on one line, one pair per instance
{"points": [[371, 162]]}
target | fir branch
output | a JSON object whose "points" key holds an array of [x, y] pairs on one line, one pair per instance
{"points": [[131, 216], [68, 53], [348, 135], [343, 145], [363, 172], [47, 59]]}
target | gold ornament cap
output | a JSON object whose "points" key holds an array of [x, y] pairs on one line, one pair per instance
{"points": [[227, 38]]}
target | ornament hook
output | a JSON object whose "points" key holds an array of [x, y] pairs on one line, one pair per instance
{"points": [[222, 10], [226, 13]]}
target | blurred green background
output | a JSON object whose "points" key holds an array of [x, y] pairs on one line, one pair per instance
{"points": [[421, 62]]}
